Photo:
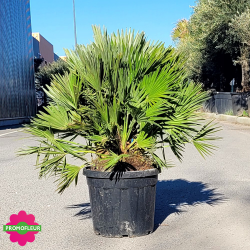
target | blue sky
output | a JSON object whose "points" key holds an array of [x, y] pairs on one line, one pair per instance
{"points": [[54, 18]]}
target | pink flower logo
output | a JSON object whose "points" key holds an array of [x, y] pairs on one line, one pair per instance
{"points": [[22, 228]]}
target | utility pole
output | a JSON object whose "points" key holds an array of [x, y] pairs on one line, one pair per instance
{"points": [[74, 14]]}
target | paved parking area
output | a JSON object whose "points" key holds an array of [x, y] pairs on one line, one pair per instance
{"points": [[201, 204]]}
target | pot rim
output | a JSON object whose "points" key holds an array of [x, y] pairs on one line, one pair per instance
{"points": [[122, 175]]}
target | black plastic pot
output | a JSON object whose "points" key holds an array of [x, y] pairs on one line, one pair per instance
{"points": [[236, 103], [209, 105], [223, 102], [239, 103], [122, 206]]}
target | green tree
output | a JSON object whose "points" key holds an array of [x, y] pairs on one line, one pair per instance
{"points": [[45, 74], [180, 32], [240, 27], [214, 46], [185, 46]]}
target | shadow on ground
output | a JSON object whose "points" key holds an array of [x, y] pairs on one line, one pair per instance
{"points": [[171, 197], [85, 210], [11, 127]]}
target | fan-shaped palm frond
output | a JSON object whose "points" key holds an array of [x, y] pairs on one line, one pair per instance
{"points": [[125, 96]]}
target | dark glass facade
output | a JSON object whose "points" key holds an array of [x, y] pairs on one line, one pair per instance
{"points": [[17, 89]]}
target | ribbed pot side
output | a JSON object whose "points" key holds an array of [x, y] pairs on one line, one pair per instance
{"points": [[123, 206]]}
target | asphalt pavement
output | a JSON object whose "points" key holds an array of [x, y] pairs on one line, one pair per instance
{"points": [[200, 204]]}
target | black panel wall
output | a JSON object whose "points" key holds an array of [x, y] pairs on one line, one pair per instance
{"points": [[17, 89]]}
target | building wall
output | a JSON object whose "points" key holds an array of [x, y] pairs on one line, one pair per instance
{"points": [[36, 48], [56, 57], [17, 89], [45, 48]]}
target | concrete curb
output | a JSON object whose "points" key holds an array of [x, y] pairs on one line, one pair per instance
{"points": [[228, 118]]}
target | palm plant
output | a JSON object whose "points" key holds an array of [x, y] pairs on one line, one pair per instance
{"points": [[126, 97]]}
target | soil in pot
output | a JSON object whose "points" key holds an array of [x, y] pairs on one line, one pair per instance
{"points": [[135, 162]]}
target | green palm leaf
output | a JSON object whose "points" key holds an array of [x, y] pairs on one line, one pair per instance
{"points": [[124, 96]]}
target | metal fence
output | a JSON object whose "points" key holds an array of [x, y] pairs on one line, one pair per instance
{"points": [[17, 89], [228, 103]]}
